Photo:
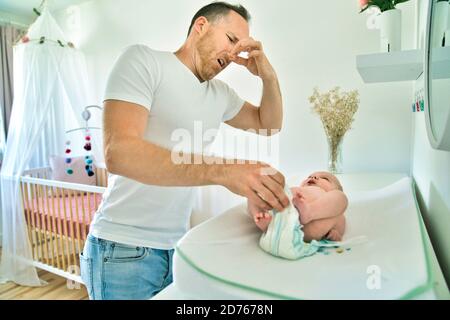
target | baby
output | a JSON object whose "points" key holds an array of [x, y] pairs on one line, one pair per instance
{"points": [[321, 203]]}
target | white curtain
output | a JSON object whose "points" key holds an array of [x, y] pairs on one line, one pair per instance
{"points": [[50, 81]]}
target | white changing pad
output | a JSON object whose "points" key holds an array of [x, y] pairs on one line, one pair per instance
{"points": [[221, 259]]}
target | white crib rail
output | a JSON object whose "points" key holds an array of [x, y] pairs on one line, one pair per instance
{"points": [[62, 184], [57, 215], [44, 173]]}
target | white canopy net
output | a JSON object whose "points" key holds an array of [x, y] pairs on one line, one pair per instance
{"points": [[50, 86]]}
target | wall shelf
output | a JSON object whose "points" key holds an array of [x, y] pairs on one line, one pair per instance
{"points": [[390, 66]]}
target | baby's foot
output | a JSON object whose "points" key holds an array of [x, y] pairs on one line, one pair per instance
{"points": [[262, 220], [334, 235], [300, 205]]}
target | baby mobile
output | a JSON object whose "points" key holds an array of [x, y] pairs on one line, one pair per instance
{"points": [[88, 159]]}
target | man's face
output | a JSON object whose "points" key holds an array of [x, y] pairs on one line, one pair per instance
{"points": [[323, 180], [214, 46]]}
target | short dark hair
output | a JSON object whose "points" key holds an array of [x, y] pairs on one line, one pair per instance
{"points": [[218, 9]]}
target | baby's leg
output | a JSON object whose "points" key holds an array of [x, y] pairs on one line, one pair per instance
{"points": [[318, 229], [340, 225], [337, 232], [262, 220], [260, 217]]}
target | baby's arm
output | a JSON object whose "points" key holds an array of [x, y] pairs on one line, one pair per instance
{"points": [[330, 204]]}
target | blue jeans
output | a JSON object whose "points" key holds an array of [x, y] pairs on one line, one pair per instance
{"points": [[114, 271]]}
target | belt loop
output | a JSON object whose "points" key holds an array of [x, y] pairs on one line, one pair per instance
{"points": [[111, 246]]}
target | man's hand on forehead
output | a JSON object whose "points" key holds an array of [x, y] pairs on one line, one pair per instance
{"points": [[246, 45], [256, 62]]}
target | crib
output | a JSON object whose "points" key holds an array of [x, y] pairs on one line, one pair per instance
{"points": [[58, 215]]}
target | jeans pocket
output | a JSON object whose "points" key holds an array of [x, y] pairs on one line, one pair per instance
{"points": [[123, 253], [87, 274]]}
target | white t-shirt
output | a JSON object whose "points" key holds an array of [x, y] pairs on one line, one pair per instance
{"points": [[146, 215]]}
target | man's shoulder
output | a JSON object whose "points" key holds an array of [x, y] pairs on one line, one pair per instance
{"points": [[219, 85], [144, 51]]}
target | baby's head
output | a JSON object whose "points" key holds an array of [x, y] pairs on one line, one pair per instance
{"points": [[322, 179]]}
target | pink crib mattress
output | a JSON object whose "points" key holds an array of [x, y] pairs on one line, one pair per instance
{"points": [[79, 211]]}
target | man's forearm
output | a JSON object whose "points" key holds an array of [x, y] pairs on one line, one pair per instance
{"points": [[271, 107], [148, 163]]}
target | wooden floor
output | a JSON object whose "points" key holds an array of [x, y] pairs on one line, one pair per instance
{"points": [[57, 289]]}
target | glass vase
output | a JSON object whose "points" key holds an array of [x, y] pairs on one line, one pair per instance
{"points": [[335, 155]]}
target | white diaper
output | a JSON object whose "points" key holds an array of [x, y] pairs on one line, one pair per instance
{"points": [[284, 236]]}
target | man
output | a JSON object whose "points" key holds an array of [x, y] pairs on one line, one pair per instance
{"points": [[149, 95]]}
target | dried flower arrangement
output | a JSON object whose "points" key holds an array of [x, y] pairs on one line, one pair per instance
{"points": [[336, 111]]}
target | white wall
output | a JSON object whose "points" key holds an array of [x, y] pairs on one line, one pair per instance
{"points": [[431, 171], [310, 43], [16, 20]]}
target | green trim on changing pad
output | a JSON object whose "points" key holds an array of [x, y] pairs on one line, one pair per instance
{"points": [[429, 284], [232, 283], [409, 295]]}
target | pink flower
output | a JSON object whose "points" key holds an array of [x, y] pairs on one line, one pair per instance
{"points": [[25, 39], [363, 3]]}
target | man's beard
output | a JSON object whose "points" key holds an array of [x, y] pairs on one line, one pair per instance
{"points": [[205, 57]]}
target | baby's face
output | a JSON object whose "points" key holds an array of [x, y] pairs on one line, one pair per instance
{"points": [[323, 180]]}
